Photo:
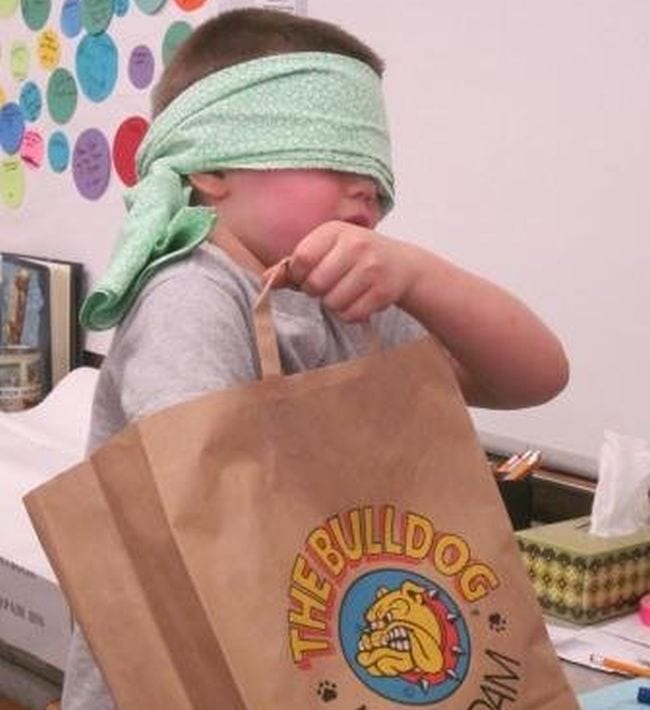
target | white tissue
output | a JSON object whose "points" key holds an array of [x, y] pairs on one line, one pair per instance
{"points": [[621, 501]]}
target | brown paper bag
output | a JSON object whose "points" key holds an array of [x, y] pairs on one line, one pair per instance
{"points": [[332, 538]]}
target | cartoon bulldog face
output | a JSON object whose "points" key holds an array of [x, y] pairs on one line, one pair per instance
{"points": [[403, 634]]}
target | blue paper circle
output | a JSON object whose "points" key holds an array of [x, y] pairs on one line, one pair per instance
{"points": [[96, 65], [31, 101], [121, 7], [58, 152], [12, 127], [71, 18]]}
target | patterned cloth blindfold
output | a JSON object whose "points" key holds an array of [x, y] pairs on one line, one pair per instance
{"points": [[300, 110]]}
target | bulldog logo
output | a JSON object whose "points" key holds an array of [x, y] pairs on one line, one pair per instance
{"points": [[409, 642], [404, 634]]}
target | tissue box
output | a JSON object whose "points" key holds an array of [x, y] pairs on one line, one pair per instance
{"points": [[583, 578]]}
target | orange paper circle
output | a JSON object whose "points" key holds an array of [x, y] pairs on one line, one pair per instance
{"points": [[189, 5]]}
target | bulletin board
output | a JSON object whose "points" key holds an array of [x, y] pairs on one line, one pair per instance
{"points": [[521, 152]]}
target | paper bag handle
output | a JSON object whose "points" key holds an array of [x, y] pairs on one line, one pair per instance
{"points": [[267, 342]]}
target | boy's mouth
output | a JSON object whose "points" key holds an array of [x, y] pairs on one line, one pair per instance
{"points": [[361, 220]]}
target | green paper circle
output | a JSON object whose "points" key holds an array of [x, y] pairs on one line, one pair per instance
{"points": [[62, 95], [35, 13], [12, 182], [175, 35], [150, 6], [8, 7], [96, 15], [19, 61]]}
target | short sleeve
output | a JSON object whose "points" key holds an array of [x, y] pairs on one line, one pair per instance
{"points": [[188, 335]]}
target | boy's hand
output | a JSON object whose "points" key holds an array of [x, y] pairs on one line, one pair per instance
{"points": [[353, 270]]}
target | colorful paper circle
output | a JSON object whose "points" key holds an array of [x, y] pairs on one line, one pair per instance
{"points": [[8, 7], [91, 164], [150, 6], [176, 34], [35, 13], [125, 145], [61, 95], [12, 182], [71, 18], [58, 152], [12, 127], [19, 60], [141, 67], [31, 149], [31, 101], [96, 15], [189, 5], [49, 49], [121, 7], [96, 64]]}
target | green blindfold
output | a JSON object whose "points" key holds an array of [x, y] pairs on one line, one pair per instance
{"points": [[300, 110]]}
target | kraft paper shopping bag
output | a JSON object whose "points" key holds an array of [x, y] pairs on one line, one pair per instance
{"points": [[327, 539]]}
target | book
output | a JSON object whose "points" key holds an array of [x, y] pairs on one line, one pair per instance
{"points": [[39, 305]]}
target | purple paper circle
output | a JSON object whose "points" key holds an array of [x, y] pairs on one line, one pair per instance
{"points": [[91, 164], [141, 66]]}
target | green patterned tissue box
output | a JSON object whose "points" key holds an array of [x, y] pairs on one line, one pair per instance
{"points": [[583, 578]]}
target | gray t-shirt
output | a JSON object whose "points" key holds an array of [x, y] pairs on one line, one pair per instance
{"points": [[190, 332]]}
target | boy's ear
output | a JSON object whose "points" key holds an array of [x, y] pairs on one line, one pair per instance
{"points": [[212, 186]]}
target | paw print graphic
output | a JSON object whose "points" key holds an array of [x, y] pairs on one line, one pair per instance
{"points": [[327, 691], [497, 622]]}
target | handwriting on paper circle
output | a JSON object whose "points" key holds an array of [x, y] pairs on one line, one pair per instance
{"points": [[58, 152], [12, 127], [71, 18], [31, 149], [35, 13], [141, 66], [49, 49], [91, 164], [96, 64], [19, 60], [31, 101], [12, 182], [62, 95]]}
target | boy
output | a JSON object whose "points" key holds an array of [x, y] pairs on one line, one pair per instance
{"points": [[275, 123]]}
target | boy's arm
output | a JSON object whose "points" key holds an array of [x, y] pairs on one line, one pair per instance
{"points": [[504, 356]]}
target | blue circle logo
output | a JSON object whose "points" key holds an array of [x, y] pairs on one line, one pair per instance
{"points": [[404, 637]]}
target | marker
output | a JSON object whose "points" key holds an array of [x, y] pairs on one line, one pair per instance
{"points": [[615, 664]]}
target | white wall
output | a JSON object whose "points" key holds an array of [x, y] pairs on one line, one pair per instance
{"points": [[522, 151], [522, 148]]}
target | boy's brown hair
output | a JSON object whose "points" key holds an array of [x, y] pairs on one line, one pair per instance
{"points": [[241, 35]]}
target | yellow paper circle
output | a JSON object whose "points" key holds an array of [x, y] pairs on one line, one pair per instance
{"points": [[3, 96], [49, 49], [19, 61], [12, 182]]}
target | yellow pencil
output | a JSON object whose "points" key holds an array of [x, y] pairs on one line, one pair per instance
{"points": [[615, 664]]}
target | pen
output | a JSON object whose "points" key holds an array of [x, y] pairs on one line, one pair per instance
{"points": [[616, 664]]}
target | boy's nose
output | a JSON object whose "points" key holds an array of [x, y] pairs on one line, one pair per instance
{"points": [[363, 188]]}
